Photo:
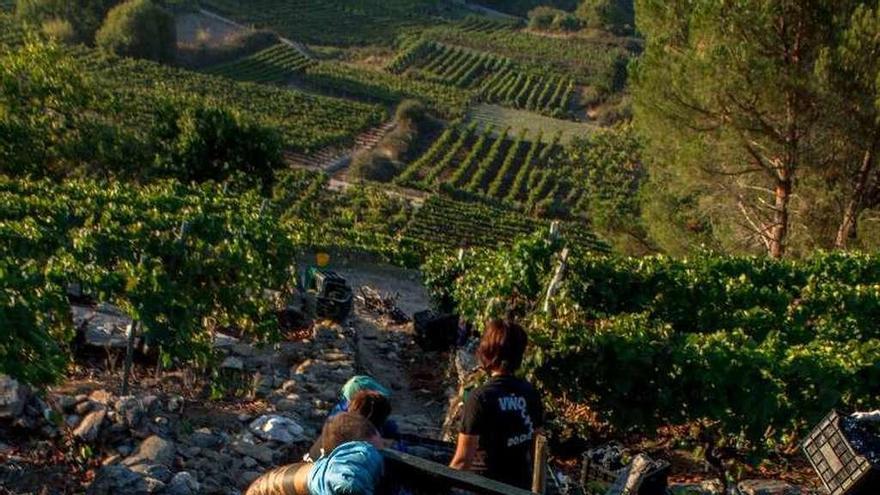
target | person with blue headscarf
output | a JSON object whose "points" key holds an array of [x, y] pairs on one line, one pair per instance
{"points": [[363, 383], [352, 464]]}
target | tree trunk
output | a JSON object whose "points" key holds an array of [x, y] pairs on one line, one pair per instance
{"points": [[779, 231], [854, 206]]}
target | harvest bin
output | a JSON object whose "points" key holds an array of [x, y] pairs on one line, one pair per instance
{"points": [[334, 298], [435, 331], [843, 470]]}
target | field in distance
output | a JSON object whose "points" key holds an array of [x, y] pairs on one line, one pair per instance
{"points": [[518, 120]]}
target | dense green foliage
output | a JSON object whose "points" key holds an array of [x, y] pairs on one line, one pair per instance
{"points": [[47, 116], [768, 136], [139, 29], [181, 260], [608, 166], [758, 350], [196, 142]]}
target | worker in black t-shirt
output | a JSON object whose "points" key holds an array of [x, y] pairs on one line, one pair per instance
{"points": [[502, 417]]}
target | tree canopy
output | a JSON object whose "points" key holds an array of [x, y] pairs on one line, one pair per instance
{"points": [[139, 29], [740, 122]]}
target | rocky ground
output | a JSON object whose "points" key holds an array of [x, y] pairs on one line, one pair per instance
{"points": [[179, 434], [168, 437]]}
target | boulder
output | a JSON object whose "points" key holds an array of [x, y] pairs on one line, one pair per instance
{"points": [[278, 429], [105, 326], [767, 487], [90, 426], [205, 438], [183, 483], [131, 411], [258, 452], [154, 471], [153, 450], [291, 403], [13, 397], [115, 479]]}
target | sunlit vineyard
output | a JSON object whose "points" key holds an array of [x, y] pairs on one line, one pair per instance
{"points": [[276, 64], [497, 79], [594, 63], [308, 122], [380, 86], [522, 169], [332, 21], [445, 222]]}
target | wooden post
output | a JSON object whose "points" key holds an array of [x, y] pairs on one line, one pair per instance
{"points": [[129, 355], [539, 474], [557, 279]]}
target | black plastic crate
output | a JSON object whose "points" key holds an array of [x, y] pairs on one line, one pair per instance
{"points": [[435, 331], [842, 470]]}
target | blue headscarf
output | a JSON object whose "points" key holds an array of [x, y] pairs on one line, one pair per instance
{"points": [[362, 382], [353, 468]]}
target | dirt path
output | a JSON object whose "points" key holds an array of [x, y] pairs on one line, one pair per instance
{"points": [[388, 352]]}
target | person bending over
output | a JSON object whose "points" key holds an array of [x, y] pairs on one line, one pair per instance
{"points": [[352, 464], [363, 383], [502, 417], [370, 404]]}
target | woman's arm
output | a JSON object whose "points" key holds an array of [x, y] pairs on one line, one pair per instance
{"points": [[465, 452], [287, 480]]}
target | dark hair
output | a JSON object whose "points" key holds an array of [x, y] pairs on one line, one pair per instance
{"points": [[346, 427], [371, 405], [502, 346]]}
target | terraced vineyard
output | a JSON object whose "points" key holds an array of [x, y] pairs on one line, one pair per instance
{"points": [[332, 22], [276, 64], [381, 86], [488, 162], [594, 63], [308, 122], [498, 79], [448, 223]]}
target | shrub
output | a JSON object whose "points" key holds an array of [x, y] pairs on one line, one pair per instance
{"points": [[617, 16], [370, 165], [548, 18], [59, 30], [410, 111], [567, 22], [84, 16], [542, 17], [139, 29], [201, 142]]}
